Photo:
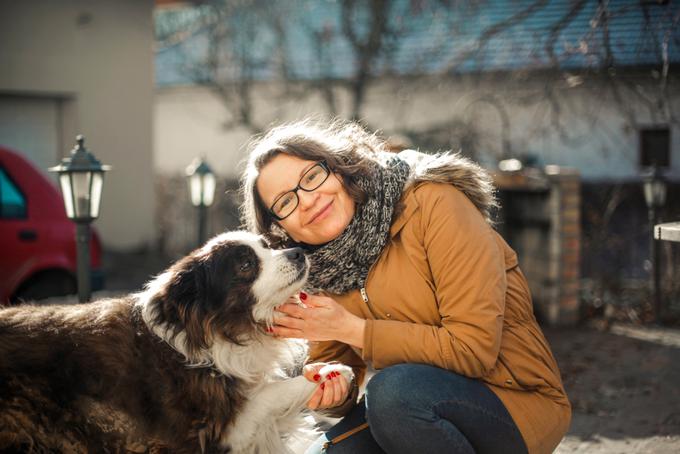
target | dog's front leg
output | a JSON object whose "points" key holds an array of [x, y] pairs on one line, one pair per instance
{"points": [[290, 396], [262, 424], [264, 421], [255, 428]]}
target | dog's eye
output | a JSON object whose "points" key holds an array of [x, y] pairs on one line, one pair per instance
{"points": [[246, 266]]}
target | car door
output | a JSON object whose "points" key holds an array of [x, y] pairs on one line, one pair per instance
{"points": [[16, 233]]}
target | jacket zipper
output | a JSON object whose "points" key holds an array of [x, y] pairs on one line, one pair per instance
{"points": [[362, 283], [364, 296], [364, 293]]}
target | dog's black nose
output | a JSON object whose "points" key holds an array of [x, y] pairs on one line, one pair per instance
{"points": [[295, 255]]}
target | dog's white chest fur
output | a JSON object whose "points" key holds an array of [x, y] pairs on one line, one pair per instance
{"points": [[272, 411]]}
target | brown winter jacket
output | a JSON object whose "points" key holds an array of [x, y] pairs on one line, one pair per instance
{"points": [[447, 291]]}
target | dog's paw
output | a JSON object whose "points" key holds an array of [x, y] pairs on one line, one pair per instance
{"points": [[329, 370]]}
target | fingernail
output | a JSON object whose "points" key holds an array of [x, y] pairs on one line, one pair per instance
{"points": [[316, 377], [303, 296], [322, 385], [329, 376], [269, 329]]}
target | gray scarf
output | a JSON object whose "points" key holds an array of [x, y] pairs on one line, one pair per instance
{"points": [[343, 263]]}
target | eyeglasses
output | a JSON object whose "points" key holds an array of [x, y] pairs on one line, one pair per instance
{"points": [[286, 203]]}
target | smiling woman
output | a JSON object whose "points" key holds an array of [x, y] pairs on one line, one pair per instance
{"points": [[407, 273]]}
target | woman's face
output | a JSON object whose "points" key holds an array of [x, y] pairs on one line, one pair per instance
{"points": [[321, 215]]}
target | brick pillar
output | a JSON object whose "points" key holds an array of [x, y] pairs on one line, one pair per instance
{"points": [[564, 247]]}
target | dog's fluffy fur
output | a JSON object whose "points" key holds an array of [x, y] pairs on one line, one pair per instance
{"points": [[183, 365]]}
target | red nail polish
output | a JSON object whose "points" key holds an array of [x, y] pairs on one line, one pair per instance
{"points": [[303, 296], [322, 385], [269, 329], [316, 377], [329, 376]]}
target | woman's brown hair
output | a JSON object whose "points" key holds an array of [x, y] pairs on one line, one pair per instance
{"points": [[346, 147]]}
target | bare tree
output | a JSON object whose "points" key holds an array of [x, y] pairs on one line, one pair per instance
{"points": [[227, 46], [230, 46]]}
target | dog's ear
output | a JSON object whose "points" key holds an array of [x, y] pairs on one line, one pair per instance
{"points": [[225, 298], [185, 302], [207, 304], [207, 299]]}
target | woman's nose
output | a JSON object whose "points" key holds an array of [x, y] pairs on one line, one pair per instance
{"points": [[307, 199]]}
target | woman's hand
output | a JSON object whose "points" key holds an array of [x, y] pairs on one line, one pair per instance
{"points": [[329, 394], [322, 319]]}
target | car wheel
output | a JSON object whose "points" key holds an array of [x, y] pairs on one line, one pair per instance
{"points": [[46, 284]]}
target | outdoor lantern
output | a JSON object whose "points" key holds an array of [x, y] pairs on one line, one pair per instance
{"points": [[655, 189], [81, 177], [201, 183], [202, 192]]}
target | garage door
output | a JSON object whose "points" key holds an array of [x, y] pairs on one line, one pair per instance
{"points": [[31, 126]]}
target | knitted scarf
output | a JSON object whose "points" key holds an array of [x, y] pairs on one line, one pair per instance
{"points": [[343, 263]]}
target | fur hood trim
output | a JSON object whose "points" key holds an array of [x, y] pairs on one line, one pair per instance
{"points": [[453, 168]]}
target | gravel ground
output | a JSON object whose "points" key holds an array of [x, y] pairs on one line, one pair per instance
{"points": [[623, 385]]}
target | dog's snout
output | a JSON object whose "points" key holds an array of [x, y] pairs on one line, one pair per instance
{"points": [[295, 255]]}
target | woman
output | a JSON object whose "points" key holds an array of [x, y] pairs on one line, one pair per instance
{"points": [[407, 274]]}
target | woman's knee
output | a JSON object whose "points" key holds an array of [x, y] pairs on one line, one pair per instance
{"points": [[393, 390]]}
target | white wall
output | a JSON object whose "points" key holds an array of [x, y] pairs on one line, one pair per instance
{"points": [[579, 125], [32, 125], [96, 58], [188, 123]]}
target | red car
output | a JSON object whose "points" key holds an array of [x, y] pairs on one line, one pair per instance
{"points": [[37, 240]]}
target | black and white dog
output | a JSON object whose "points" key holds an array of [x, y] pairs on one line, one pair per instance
{"points": [[184, 365]]}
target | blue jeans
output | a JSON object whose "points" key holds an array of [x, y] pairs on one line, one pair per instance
{"points": [[415, 408]]}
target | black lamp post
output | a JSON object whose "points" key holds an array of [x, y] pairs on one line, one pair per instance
{"points": [[81, 177], [654, 187], [202, 192]]}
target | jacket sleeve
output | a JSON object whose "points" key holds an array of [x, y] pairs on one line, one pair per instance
{"points": [[337, 352], [468, 270]]}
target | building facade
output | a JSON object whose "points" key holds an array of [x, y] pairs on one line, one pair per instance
{"points": [[85, 67]]}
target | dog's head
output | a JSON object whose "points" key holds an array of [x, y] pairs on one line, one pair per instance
{"points": [[224, 290]]}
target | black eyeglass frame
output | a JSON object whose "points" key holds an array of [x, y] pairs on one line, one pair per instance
{"points": [[323, 165]]}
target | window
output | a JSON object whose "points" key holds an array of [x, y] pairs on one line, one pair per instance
{"points": [[655, 147], [12, 201]]}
